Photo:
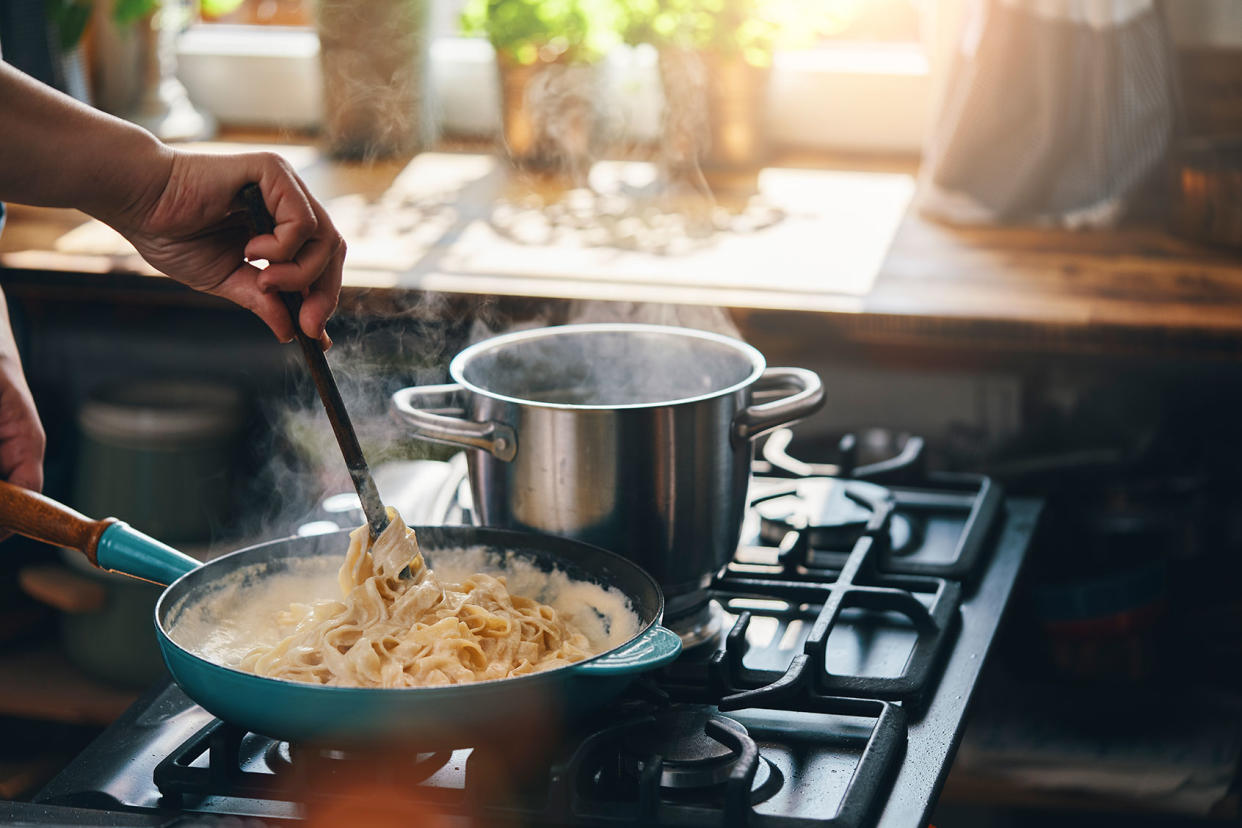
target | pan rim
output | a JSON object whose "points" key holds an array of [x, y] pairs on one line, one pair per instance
{"points": [[167, 639]]}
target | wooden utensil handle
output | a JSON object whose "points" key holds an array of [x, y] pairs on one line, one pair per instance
{"points": [[261, 223], [43, 519]]}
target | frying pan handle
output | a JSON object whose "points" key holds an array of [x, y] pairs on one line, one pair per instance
{"points": [[758, 419], [654, 648], [416, 408], [108, 543], [125, 550]]}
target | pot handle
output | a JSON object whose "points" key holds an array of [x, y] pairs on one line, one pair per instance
{"points": [[421, 408], [759, 419], [108, 544], [656, 647]]}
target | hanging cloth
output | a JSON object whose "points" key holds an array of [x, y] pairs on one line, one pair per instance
{"points": [[1054, 111]]}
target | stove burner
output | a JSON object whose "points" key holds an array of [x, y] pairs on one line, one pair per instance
{"points": [[699, 627], [691, 757], [413, 768], [835, 512]]}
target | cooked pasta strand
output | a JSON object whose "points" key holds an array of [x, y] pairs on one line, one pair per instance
{"points": [[389, 631]]}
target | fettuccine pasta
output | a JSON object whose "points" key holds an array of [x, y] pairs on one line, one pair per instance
{"points": [[416, 631]]}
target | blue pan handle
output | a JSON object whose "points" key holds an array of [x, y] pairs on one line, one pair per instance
{"points": [[654, 648], [109, 543], [125, 550]]}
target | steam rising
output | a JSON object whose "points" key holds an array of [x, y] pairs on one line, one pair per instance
{"points": [[556, 132], [604, 367], [665, 207], [299, 463], [375, 60]]}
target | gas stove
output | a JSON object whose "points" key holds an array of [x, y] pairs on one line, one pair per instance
{"points": [[825, 684]]}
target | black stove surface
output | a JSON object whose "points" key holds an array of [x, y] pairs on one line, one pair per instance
{"points": [[836, 697]]}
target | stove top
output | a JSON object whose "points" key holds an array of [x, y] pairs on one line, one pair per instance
{"points": [[829, 688]]}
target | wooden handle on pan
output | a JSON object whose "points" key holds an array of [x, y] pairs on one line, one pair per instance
{"points": [[43, 519]]}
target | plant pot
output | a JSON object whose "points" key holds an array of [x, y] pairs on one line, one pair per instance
{"points": [[134, 74], [374, 55], [714, 108], [548, 114]]}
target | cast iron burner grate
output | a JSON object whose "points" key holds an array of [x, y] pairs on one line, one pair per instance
{"points": [[814, 589], [648, 763], [214, 762], [835, 505], [819, 598]]}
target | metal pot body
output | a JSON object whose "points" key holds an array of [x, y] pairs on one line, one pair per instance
{"points": [[635, 438]]}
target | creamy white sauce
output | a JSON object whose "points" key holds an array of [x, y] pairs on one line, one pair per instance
{"points": [[240, 612]]}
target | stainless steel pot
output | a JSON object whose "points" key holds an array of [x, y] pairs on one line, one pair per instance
{"points": [[636, 438]]}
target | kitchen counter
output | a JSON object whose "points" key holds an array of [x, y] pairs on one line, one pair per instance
{"points": [[811, 247]]}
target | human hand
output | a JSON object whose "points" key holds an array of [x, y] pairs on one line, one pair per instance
{"points": [[193, 229], [21, 434]]}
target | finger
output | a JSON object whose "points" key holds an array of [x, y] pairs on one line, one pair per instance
{"points": [[307, 266], [322, 298], [28, 474], [24, 453], [27, 471], [242, 287], [290, 204]]}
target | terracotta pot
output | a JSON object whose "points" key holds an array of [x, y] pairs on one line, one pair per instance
{"points": [[713, 111], [548, 113], [374, 55]]}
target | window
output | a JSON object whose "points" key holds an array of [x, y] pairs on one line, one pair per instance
{"points": [[864, 86]]}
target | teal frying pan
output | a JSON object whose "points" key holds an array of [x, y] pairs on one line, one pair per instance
{"points": [[427, 717]]}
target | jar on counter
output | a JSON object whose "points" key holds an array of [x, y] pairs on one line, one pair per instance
{"points": [[159, 455]]}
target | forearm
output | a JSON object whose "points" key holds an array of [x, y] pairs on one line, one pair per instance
{"points": [[57, 152]]}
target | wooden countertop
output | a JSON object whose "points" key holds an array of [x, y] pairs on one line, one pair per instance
{"points": [[815, 246]]}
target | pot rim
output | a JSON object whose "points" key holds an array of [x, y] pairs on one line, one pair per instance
{"points": [[457, 367]]}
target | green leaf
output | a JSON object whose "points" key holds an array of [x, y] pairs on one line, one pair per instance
{"points": [[70, 18], [126, 12], [219, 8]]}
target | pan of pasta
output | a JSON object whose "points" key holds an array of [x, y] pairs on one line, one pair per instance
{"points": [[433, 636]]}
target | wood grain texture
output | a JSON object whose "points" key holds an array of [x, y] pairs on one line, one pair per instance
{"points": [[840, 260], [43, 519]]}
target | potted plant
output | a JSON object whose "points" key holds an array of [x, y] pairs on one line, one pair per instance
{"points": [[375, 56], [134, 61], [544, 53], [714, 59]]}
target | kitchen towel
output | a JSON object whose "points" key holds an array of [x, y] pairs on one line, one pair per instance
{"points": [[1054, 111]]}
